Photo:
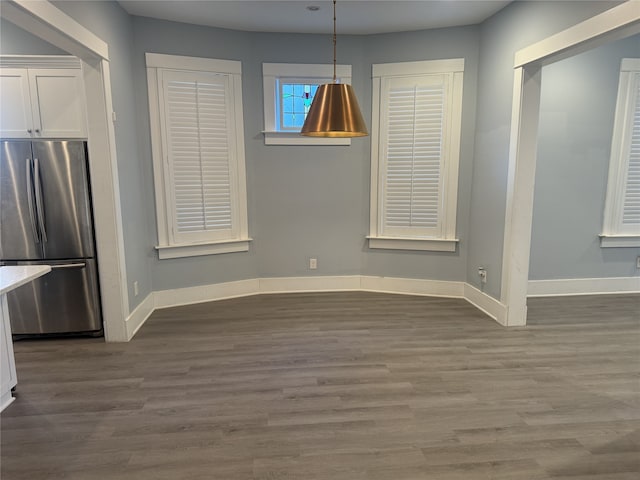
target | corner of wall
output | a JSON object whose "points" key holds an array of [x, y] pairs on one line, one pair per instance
{"points": [[139, 316], [486, 303]]}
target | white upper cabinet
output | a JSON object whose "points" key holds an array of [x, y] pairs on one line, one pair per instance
{"points": [[57, 103], [15, 104], [42, 103]]}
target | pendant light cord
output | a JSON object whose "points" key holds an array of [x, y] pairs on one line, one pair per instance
{"points": [[334, 42]]}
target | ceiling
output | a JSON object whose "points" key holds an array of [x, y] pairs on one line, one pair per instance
{"points": [[358, 17]]}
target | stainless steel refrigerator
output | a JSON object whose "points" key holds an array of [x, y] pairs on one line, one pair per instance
{"points": [[46, 218]]}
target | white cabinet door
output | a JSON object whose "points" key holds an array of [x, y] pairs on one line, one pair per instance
{"points": [[16, 119], [8, 378], [57, 101]]}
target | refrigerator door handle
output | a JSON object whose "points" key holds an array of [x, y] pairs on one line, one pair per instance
{"points": [[30, 201], [39, 204], [68, 265]]}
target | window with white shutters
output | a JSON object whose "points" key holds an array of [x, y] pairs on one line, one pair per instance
{"points": [[196, 120], [415, 150], [621, 226], [631, 204]]}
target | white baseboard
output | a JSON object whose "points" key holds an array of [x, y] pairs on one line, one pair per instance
{"points": [[412, 286], [242, 288], [205, 293], [407, 286], [486, 303], [583, 286], [136, 319], [309, 284]]}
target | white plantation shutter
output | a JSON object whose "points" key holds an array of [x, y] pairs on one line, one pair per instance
{"points": [[631, 203], [197, 145], [621, 226], [415, 152], [414, 119], [200, 149]]}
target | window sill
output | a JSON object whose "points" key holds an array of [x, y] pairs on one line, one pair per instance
{"points": [[197, 249], [427, 244], [294, 138], [616, 241]]}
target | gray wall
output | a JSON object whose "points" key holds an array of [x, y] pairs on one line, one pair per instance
{"points": [[516, 26], [16, 41], [430, 45], [182, 39], [307, 201], [577, 110], [314, 201], [113, 25]]}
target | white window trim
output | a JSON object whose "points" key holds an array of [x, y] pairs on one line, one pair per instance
{"points": [[611, 235], [313, 73], [166, 247], [196, 249], [448, 241], [618, 241], [426, 244]]}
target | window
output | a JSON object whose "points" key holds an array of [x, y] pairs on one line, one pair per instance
{"points": [[415, 145], [295, 102], [621, 226], [195, 107], [288, 92]]}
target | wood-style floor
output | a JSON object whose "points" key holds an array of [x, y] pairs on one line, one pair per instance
{"points": [[336, 386]]}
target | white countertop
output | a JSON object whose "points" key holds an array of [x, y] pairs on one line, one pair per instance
{"points": [[14, 276]]}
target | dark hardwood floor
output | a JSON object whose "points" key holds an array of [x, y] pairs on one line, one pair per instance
{"points": [[336, 386]]}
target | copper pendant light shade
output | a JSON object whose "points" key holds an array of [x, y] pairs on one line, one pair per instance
{"points": [[335, 111]]}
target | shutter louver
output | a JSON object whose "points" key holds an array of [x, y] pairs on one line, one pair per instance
{"points": [[631, 204], [199, 154], [414, 144]]}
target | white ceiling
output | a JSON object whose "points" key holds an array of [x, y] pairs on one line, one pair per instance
{"points": [[353, 16]]}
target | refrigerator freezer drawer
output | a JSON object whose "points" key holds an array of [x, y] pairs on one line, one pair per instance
{"points": [[64, 301]]}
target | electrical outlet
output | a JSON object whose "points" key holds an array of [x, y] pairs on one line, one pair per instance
{"points": [[313, 263], [482, 273], [135, 288]]}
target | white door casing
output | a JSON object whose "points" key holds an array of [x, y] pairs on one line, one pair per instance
{"points": [[616, 23]]}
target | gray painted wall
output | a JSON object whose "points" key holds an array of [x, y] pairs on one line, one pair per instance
{"points": [[431, 45], [577, 110], [307, 201], [517, 26], [314, 201], [112, 24], [182, 39], [16, 41]]}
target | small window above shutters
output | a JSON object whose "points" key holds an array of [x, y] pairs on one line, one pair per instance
{"points": [[288, 90]]}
